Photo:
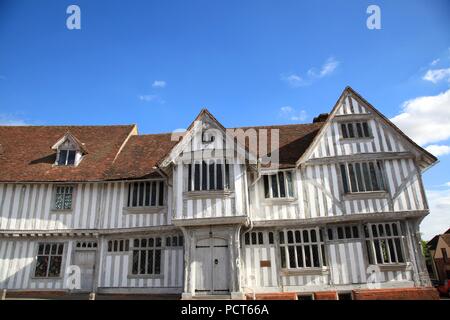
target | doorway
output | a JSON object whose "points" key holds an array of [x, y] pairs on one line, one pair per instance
{"points": [[212, 266]]}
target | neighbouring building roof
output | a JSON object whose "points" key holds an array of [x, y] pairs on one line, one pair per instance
{"points": [[26, 152], [446, 238]]}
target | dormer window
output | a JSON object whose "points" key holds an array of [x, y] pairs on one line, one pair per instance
{"points": [[66, 157], [69, 150]]}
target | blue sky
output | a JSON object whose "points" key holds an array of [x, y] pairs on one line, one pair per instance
{"points": [[156, 63]]}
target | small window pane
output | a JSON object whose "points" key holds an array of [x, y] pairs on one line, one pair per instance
{"points": [[204, 176], [344, 179], [153, 195], [359, 130], [271, 238], [161, 193], [71, 157], [247, 238], [351, 134], [344, 131], [366, 129], [266, 186], [274, 186], [282, 187], [212, 184], [62, 157], [219, 177]]}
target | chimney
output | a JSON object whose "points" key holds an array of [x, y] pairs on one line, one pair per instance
{"points": [[321, 118]]}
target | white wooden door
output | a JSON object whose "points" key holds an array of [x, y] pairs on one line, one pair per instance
{"points": [[212, 266], [85, 259]]}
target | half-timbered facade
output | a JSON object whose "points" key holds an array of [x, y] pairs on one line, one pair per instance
{"points": [[335, 206]]}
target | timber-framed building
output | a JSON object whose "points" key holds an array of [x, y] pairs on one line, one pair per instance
{"points": [[104, 209]]}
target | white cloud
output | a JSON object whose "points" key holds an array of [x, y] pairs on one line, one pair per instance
{"points": [[8, 120], [295, 80], [327, 68], [438, 150], [437, 75], [147, 97], [435, 61], [438, 220], [159, 84], [290, 113], [426, 119], [151, 98]]}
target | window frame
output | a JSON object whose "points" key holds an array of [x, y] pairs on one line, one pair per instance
{"points": [[353, 229], [62, 255], [302, 245], [345, 134], [289, 189], [67, 156], [116, 245], [55, 197], [129, 194], [154, 248], [370, 243], [209, 183], [358, 179]]}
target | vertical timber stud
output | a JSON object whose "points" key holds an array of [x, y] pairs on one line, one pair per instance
{"points": [[424, 277], [98, 257], [236, 248], [186, 273], [411, 251]]}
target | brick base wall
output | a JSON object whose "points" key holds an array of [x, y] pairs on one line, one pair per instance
{"points": [[273, 296], [397, 294], [325, 295]]}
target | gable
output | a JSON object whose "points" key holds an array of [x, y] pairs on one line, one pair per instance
{"points": [[205, 138], [351, 109]]}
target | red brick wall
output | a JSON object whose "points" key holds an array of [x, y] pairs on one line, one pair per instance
{"points": [[397, 294], [273, 296], [325, 295]]}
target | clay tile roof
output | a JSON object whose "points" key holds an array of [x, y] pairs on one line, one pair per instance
{"points": [[26, 153], [294, 139], [140, 156]]}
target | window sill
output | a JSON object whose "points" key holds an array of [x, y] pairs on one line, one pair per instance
{"points": [[353, 140], [61, 210], [366, 195], [208, 194], [143, 210], [269, 201], [145, 276], [392, 266], [304, 271], [34, 278]]}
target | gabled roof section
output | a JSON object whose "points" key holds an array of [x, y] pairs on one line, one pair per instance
{"points": [[424, 158], [185, 137], [69, 136], [27, 155]]}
